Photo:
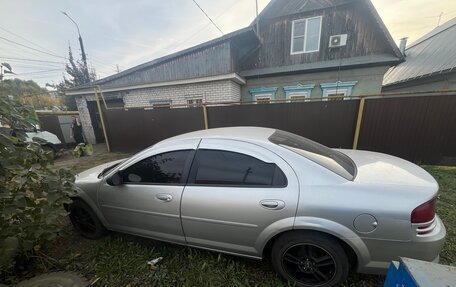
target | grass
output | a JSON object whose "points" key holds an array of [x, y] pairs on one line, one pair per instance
{"points": [[120, 260]]}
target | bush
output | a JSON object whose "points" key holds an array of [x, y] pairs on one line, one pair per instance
{"points": [[31, 194]]}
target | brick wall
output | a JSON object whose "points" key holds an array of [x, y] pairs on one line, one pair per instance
{"points": [[220, 91], [217, 91]]}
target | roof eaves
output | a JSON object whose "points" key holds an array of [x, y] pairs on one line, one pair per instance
{"points": [[411, 79], [354, 62], [382, 26]]}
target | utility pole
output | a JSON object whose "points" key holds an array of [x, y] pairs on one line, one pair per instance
{"points": [[81, 44], [117, 68]]}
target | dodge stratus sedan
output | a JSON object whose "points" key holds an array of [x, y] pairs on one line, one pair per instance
{"points": [[315, 212]]}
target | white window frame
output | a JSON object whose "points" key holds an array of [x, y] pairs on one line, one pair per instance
{"points": [[264, 96], [305, 36], [299, 94], [340, 91]]}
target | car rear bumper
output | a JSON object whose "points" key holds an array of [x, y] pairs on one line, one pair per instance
{"points": [[382, 252]]}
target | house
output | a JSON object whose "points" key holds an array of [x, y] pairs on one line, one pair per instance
{"points": [[294, 50], [430, 63]]}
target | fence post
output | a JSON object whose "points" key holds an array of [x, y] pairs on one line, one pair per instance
{"points": [[206, 123], [102, 120], [358, 122]]}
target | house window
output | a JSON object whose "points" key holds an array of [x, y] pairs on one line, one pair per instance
{"points": [[338, 90], [161, 104], [193, 103], [305, 35], [263, 95], [298, 92]]}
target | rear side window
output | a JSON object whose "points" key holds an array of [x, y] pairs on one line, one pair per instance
{"points": [[164, 168], [216, 167], [333, 160]]}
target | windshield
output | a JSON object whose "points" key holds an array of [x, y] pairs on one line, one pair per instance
{"points": [[335, 161]]}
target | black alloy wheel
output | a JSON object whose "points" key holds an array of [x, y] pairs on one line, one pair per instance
{"points": [[309, 264], [310, 259]]}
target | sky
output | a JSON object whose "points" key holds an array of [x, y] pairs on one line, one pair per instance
{"points": [[124, 34]]}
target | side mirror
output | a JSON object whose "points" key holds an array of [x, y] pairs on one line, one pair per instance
{"points": [[114, 180]]}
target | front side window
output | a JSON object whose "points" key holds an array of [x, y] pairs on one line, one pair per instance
{"points": [[216, 167], [164, 168], [305, 36]]}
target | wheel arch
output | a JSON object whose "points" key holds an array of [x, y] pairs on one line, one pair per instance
{"points": [[354, 247]]}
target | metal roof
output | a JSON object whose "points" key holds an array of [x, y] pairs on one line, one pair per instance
{"points": [[166, 58], [432, 54]]}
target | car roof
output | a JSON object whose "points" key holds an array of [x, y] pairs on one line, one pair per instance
{"points": [[241, 133]]}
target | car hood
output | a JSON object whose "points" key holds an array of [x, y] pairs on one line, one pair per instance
{"points": [[374, 167], [47, 136], [93, 172]]}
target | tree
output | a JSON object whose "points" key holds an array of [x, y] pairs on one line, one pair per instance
{"points": [[32, 195], [28, 93], [76, 76]]}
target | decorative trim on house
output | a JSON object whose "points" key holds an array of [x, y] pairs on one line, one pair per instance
{"points": [[298, 90], [231, 76], [338, 88], [263, 94]]}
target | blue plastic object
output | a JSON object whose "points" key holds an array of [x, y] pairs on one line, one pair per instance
{"points": [[416, 273]]}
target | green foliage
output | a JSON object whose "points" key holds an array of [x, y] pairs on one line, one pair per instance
{"points": [[31, 194], [28, 92], [82, 149], [77, 75]]}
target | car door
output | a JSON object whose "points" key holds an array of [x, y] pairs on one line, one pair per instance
{"points": [[148, 200], [237, 193]]}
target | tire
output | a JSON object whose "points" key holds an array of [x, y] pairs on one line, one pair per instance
{"points": [[85, 221], [310, 259]]}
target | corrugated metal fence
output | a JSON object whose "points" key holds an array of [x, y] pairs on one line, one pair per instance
{"points": [[418, 128]]}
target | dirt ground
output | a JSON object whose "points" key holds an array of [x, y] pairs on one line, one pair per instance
{"points": [[100, 155]]}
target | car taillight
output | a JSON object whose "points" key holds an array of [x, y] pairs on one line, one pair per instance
{"points": [[425, 212]]}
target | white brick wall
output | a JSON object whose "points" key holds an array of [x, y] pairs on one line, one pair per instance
{"points": [[210, 92], [84, 116], [220, 91]]}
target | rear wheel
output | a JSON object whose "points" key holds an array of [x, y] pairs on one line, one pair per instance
{"points": [[310, 259], [85, 221]]}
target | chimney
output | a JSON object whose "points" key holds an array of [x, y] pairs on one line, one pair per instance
{"points": [[403, 45]]}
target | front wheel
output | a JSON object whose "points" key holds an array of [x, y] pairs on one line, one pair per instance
{"points": [[310, 259], [85, 221]]}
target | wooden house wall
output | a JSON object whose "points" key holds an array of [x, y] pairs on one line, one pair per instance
{"points": [[364, 37], [214, 60]]}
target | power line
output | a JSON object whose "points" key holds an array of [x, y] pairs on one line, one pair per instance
{"points": [[208, 17], [30, 60], [14, 42], [40, 72], [19, 36]]}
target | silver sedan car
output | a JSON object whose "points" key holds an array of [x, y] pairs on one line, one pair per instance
{"points": [[315, 212]]}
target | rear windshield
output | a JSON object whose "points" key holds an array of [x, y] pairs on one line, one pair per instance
{"points": [[335, 161]]}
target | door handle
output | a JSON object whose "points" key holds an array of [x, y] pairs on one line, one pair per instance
{"points": [[272, 204], [164, 197]]}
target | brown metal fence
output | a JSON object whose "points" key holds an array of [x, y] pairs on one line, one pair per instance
{"points": [[419, 128]]}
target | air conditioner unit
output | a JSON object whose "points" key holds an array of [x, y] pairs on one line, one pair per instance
{"points": [[338, 41]]}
